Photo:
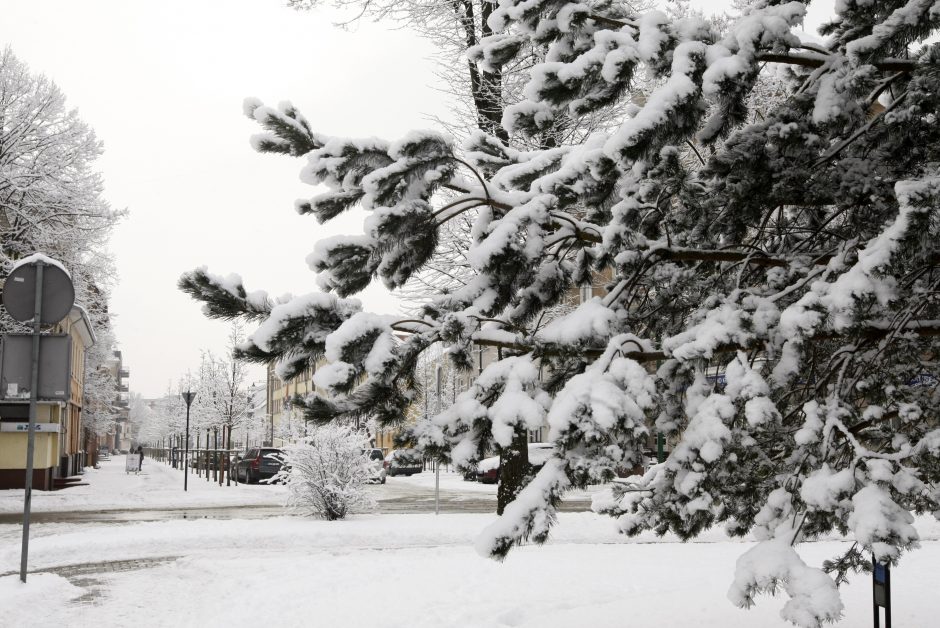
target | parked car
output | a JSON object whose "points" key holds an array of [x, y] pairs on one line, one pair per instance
{"points": [[377, 458], [488, 468], [404, 462], [470, 475], [260, 463]]}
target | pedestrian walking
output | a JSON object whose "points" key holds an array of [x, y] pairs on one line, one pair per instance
{"points": [[140, 452]]}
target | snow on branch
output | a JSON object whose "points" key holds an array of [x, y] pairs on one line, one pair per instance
{"points": [[740, 260]]}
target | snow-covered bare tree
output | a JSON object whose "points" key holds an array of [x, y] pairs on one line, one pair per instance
{"points": [[139, 415], [147, 425], [223, 399], [166, 418], [100, 392], [50, 195], [326, 473], [292, 426], [801, 259], [51, 202]]}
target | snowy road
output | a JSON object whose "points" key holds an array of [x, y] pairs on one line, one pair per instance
{"points": [[157, 495]]}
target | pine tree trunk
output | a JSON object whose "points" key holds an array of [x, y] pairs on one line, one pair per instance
{"points": [[514, 465]]}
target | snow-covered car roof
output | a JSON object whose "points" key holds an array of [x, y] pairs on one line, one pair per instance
{"points": [[538, 455]]}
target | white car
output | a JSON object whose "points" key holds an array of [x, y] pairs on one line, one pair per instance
{"points": [[377, 458]]}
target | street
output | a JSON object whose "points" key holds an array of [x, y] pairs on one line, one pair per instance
{"points": [[399, 495]]}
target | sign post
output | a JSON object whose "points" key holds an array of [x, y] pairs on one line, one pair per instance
{"points": [[881, 591], [40, 290]]}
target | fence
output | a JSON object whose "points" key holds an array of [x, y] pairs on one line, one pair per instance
{"points": [[213, 464]]}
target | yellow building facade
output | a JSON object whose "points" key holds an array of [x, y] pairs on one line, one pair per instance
{"points": [[58, 444]]}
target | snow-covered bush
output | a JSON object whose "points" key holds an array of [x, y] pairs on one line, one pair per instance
{"points": [[326, 474]]}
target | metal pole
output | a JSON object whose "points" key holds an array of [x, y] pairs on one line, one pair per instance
{"points": [[186, 454], [228, 457], [437, 463], [888, 596], [216, 477], [31, 434]]}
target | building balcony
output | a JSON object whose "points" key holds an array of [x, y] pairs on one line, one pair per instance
{"points": [[122, 388], [124, 374]]}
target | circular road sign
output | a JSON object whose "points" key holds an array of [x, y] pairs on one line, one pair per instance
{"points": [[19, 293]]}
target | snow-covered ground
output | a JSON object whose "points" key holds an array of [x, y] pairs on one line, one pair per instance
{"points": [[454, 482], [414, 571], [450, 481], [157, 486], [160, 486]]}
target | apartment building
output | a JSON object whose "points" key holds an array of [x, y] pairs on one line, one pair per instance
{"points": [[285, 423], [59, 441], [120, 438]]}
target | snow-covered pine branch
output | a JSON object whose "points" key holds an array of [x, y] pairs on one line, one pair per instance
{"points": [[825, 414]]}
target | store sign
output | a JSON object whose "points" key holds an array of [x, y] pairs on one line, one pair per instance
{"points": [[46, 428]]}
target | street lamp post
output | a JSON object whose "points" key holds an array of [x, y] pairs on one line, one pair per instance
{"points": [[188, 397], [437, 463]]}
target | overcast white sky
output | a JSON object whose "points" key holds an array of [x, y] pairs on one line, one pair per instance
{"points": [[162, 83]]}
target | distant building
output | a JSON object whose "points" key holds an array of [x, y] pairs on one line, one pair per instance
{"points": [[284, 425], [58, 449], [120, 439]]}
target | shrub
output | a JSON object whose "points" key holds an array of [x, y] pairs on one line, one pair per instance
{"points": [[325, 474]]}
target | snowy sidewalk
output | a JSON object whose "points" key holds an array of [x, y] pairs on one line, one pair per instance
{"points": [[414, 571], [157, 486]]}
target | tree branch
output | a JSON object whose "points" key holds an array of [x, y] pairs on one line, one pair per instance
{"points": [[925, 328], [815, 60]]}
